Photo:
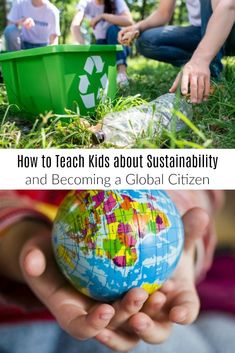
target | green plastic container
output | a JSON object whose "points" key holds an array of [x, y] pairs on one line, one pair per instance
{"points": [[60, 77]]}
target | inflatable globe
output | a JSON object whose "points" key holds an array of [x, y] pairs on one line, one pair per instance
{"points": [[107, 242]]}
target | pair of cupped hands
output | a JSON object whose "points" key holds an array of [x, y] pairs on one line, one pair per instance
{"points": [[119, 325]]}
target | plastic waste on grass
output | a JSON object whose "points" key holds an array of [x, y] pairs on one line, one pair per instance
{"points": [[123, 128]]}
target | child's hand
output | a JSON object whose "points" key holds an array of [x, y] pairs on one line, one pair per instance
{"points": [[93, 22], [27, 23], [177, 301], [78, 315], [128, 34], [26, 255]]}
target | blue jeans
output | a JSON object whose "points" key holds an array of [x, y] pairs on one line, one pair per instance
{"points": [[175, 44], [112, 38], [14, 42], [171, 44]]}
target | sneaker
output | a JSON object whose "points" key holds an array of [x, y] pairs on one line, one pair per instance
{"points": [[122, 79]]}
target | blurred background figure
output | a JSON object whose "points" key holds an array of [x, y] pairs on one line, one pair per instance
{"points": [[32, 24], [105, 17]]}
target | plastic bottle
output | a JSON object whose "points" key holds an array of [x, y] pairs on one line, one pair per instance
{"points": [[122, 128]]}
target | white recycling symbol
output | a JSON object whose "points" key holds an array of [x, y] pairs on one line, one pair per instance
{"points": [[93, 64]]}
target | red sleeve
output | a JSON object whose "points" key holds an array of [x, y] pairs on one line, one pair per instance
{"points": [[53, 197], [14, 208]]}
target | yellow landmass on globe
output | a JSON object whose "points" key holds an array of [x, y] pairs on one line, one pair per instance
{"points": [[127, 254], [112, 230], [150, 287], [63, 253], [99, 252], [84, 291]]}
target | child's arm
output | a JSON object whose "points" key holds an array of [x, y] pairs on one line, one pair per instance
{"points": [[122, 16], [75, 28], [54, 39], [123, 19], [160, 17], [26, 22], [55, 29], [195, 76]]}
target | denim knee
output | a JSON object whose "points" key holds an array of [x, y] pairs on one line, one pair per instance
{"points": [[11, 32], [144, 44], [12, 37], [112, 38], [112, 34]]}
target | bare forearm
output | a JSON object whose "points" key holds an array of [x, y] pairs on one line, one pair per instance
{"points": [[156, 19], [77, 35], [218, 30], [160, 17], [119, 20], [54, 40], [75, 28], [17, 22]]}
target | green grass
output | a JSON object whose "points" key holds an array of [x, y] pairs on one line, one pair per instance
{"points": [[213, 124]]}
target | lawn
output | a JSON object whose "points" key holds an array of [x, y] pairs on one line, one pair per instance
{"points": [[213, 124]]}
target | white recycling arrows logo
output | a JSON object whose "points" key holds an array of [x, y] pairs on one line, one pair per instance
{"points": [[93, 65]]}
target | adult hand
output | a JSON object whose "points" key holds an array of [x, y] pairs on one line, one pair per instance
{"points": [[93, 22], [177, 301], [28, 23], [194, 79], [128, 34]]}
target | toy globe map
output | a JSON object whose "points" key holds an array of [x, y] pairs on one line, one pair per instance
{"points": [[107, 242]]}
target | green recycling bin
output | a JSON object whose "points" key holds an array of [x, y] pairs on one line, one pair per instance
{"points": [[59, 77]]}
